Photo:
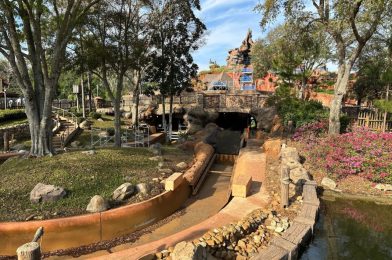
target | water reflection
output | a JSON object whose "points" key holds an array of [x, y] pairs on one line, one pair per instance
{"points": [[352, 229]]}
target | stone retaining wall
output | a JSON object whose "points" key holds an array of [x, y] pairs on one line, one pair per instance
{"points": [[300, 232], [276, 236], [19, 132]]}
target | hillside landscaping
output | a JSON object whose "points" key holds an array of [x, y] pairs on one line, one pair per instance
{"points": [[82, 175]]}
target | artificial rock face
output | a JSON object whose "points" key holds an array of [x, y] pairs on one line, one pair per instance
{"points": [[197, 118]]}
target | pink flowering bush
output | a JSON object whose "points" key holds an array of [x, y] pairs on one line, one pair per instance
{"points": [[360, 152]]}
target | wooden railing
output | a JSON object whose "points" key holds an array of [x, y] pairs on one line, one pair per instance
{"points": [[375, 120]]}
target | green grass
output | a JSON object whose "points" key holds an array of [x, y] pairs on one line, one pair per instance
{"points": [[83, 176], [326, 91], [13, 122], [108, 122]]}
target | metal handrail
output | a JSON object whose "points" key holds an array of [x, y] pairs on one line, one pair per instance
{"points": [[69, 116]]}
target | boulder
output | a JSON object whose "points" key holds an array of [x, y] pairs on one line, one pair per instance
{"points": [[188, 251], [265, 118], [156, 149], [89, 152], [182, 166], [123, 192], [277, 126], [18, 147], [165, 171], [143, 188], [272, 148], [128, 115], [43, 192], [103, 134], [97, 204], [156, 158], [328, 183], [289, 154], [85, 124], [299, 175], [384, 187], [196, 118], [292, 164]]}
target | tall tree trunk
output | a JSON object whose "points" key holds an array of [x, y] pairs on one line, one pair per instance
{"points": [[136, 98], [135, 108], [164, 117], [340, 91], [117, 113], [171, 116], [40, 124], [90, 92]]}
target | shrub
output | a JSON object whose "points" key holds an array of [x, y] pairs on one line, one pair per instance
{"points": [[110, 131], [301, 112], [360, 152], [8, 115], [95, 115], [345, 122]]}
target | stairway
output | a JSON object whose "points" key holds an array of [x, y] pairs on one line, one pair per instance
{"points": [[66, 128]]}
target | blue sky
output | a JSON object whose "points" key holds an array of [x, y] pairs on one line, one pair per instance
{"points": [[227, 22]]}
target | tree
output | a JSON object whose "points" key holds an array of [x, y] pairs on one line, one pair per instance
{"points": [[293, 51], [34, 36], [374, 67], [176, 35], [114, 45], [349, 23]]}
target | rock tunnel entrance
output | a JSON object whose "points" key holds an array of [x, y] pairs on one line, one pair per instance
{"points": [[234, 121], [232, 138]]}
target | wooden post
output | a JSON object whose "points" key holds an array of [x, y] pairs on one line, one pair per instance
{"points": [[32, 250], [285, 181], [29, 251], [367, 120], [6, 141], [384, 125]]}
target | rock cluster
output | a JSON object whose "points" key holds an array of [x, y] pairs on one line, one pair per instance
{"points": [[290, 158], [123, 192], [239, 240], [384, 187], [328, 183]]}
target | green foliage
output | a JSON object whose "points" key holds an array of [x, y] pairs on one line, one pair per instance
{"points": [[177, 35], [292, 50], [299, 111], [110, 131], [384, 105], [326, 91], [95, 115], [14, 114], [214, 70], [344, 123]]}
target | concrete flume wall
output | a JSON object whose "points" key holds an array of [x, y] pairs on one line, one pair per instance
{"points": [[82, 230]]}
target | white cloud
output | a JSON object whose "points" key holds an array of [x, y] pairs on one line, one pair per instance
{"points": [[212, 4]]}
